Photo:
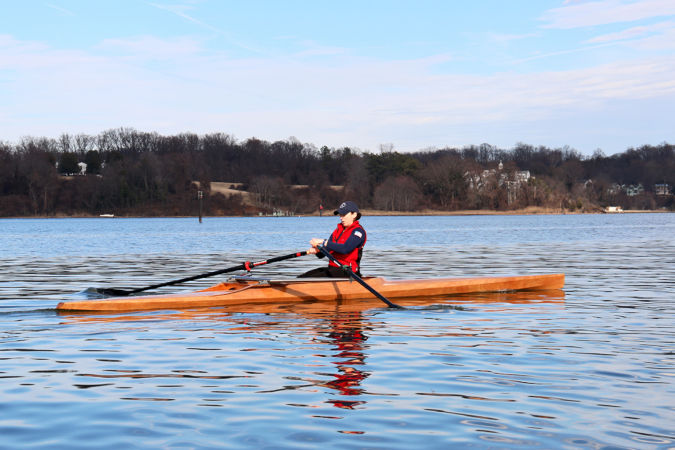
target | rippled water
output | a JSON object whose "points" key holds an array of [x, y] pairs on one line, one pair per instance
{"points": [[590, 367]]}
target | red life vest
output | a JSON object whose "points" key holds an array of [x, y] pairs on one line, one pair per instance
{"points": [[340, 236]]}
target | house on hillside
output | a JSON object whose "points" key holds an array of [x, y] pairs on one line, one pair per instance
{"points": [[512, 181], [633, 190], [614, 189], [662, 189], [521, 176], [478, 181], [81, 166]]}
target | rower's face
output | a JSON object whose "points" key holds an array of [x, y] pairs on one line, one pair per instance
{"points": [[347, 219]]}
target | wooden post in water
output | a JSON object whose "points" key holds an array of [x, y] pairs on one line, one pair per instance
{"points": [[200, 196]]}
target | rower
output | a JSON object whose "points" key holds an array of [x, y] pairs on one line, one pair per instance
{"points": [[345, 244]]}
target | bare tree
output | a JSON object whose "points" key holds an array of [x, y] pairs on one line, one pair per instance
{"points": [[444, 181], [40, 172], [398, 194], [357, 184], [269, 191]]}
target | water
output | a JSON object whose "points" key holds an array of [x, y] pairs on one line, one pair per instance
{"points": [[593, 367]]}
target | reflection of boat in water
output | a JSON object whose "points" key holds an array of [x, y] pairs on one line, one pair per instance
{"points": [[347, 335], [337, 331], [248, 292]]}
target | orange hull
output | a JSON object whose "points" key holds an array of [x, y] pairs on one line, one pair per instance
{"points": [[256, 292]]}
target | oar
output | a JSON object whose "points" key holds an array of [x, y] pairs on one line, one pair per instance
{"points": [[351, 273], [243, 266]]}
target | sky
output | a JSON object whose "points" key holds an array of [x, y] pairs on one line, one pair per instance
{"points": [[403, 75]]}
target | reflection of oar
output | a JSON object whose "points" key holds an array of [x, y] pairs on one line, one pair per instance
{"points": [[243, 266], [351, 273]]}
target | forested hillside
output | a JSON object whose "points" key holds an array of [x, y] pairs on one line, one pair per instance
{"points": [[127, 172]]}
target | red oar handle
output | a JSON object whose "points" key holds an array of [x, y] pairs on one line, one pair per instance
{"points": [[248, 265]]}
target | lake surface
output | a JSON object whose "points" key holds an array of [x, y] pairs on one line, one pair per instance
{"points": [[590, 367]]}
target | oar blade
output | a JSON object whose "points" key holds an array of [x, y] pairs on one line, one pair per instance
{"points": [[112, 292]]}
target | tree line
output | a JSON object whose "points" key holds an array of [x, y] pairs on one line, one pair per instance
{"points": [[128, 172]]}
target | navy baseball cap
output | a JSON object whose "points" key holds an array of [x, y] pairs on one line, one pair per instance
{"points": [[346, 207]]}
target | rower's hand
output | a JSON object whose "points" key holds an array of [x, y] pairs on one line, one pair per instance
{"points": [[315, 242], [313, 251]]}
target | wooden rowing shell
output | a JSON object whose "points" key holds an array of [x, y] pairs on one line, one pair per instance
{"points": [[259, 291]]}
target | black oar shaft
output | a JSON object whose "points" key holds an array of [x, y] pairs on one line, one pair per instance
{"points": [[183, 280], [358, 279], [243, 266]]}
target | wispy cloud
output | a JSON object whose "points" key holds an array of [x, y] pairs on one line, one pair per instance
{"points": [[311, 48], [369, 101], [63, 11], [630, 33], [181, 11], [582, 49], [664, 40], [152, 47], [662, 31], [508, 38], [588, 14]]}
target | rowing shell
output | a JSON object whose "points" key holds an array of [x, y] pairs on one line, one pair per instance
{"points": [[255, 291]]}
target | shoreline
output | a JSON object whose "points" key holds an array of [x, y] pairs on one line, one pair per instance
{"points": [[531, 211]]}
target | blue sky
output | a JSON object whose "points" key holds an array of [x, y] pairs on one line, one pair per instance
{"points": [[409, 74]]}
